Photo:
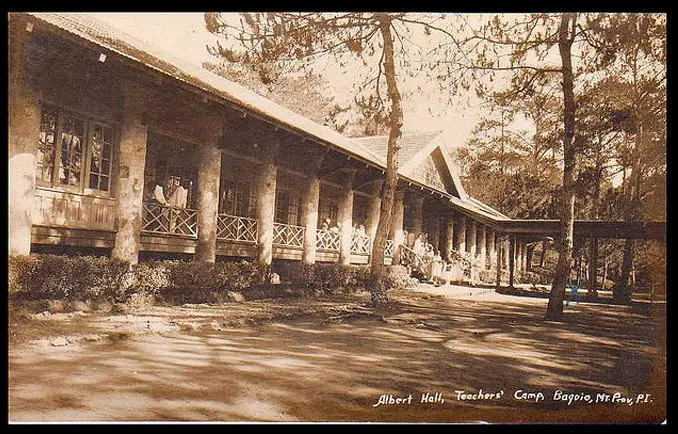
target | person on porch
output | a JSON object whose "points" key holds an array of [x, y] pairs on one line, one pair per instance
{"points": [[159, 194]]}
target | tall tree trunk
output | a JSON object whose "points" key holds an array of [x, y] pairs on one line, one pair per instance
{"points": [[623, 290], [377, 271], [554, 309]]}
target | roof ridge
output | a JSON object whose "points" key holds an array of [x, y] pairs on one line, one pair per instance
{"points": [[438, 132]]}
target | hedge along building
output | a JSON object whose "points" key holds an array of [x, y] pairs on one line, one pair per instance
{"points": [[99, 120]]}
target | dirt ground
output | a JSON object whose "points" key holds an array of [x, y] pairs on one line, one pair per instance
{"points": [[445, 355]]}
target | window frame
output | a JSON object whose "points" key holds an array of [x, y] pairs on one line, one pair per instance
{"points": [[88, 128], [91, 124]]}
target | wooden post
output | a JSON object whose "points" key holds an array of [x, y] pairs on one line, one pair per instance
{"points": [[483, 247], [473, 235], [309, 216], [209, 174], [524, 253], [435, 232], [593, 266], [505, 256], [500, 255], [491, 240], [345, 218], [449, 237], [24, 130], [130, 173], [461, 235], [374, 210], [418, 223], [512, 259], [265, 187]]}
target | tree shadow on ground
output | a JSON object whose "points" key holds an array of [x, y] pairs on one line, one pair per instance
{"points": [[312, 369]]}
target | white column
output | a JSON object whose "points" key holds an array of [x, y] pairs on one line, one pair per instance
{"points": [[265, 211], [491, 241], [309, 218], [483, 247], [130, 173], [461, 235], [374, 210], [473, 235], [24, 130], [449, 236], [209, 174], [345, 218]]}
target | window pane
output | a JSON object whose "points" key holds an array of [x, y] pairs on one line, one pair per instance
{"points": [[100, 157], [96, 145], [107, 150], [46, 148], [103, 185], [94, 181], [72, 138], [108, 135]]}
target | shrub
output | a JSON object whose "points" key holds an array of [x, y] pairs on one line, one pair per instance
{"points": [[73, 279], [70, 278], [18, 267], [150, 277], [201, 282], [328, 278]]}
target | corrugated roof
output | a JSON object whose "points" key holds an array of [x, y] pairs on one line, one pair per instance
{"points": [[371, 149], [106, 36]]}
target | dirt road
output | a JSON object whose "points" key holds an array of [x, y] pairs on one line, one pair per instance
{"points": [[480, 357]]}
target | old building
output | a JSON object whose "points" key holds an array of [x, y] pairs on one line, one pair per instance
{"points": [[115, 146]]}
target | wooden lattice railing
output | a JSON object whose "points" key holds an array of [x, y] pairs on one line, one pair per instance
{"points": [[327, 240], [360, 244], [388, 249], [288, 235], [235, 228], [168, 220]]}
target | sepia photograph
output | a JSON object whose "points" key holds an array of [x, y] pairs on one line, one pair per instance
{"points": [[345, 217]]}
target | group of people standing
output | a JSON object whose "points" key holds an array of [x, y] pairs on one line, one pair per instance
{"points": [[428, 261], [174, 193]]}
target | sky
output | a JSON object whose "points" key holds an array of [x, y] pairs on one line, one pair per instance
{"points": [[185, 36]]}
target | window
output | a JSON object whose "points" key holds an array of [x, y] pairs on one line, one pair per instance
{"points": [[169, 164], [73, 152], [287, 208], [101, 155], [236, 198], [47, 147], [72, 138], [328, 209]]}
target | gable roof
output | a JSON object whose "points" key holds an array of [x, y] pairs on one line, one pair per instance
{"points": [[410, 144], [415, 147]]}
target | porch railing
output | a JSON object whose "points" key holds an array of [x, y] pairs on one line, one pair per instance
{"points": [[288, 235], [235, 228], [388, 249], [327, 240], [168, 220], [360, 244]]}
